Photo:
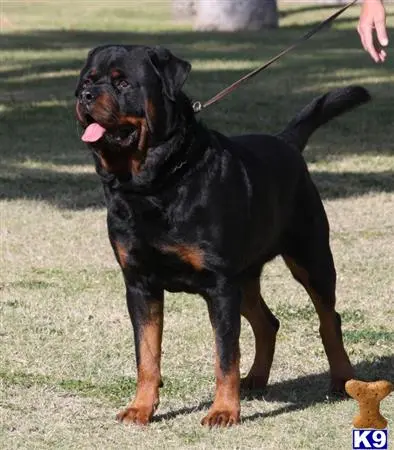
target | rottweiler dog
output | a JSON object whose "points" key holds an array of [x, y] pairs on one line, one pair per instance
{"points": [[192, 210]]}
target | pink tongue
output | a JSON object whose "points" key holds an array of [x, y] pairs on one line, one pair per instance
{"points": [[93, 133]]}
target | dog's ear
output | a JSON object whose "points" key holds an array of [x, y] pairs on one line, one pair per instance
{"points": [[172, 71]]}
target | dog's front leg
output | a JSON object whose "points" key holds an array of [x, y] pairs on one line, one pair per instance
{"points": [[224, 312], [146, 313]]}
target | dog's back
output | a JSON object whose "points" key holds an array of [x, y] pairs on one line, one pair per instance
{"points": [[277, 173]]}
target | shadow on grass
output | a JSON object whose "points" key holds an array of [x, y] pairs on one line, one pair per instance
{"points": [[83, 39], [202, 46], [299, 393], [83, 190], [189, 45], [64, 190]]}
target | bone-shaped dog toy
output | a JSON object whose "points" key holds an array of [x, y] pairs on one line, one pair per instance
{"points": [[369, 395]]}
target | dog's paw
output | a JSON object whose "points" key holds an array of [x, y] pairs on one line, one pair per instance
{"points": [[337, 390], [132, 415], [253, 383], [221, 418]]}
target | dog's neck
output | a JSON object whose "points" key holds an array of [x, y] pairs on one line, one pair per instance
{"points": [[163, 165]]}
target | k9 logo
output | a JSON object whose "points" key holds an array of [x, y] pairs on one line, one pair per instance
{"points": [[370, 439]]}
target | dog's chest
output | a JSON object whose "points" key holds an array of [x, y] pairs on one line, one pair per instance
{"points": [[147, 239]]}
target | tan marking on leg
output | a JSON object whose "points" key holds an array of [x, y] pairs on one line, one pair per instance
{"points": [[225, 410], [264, 326], [142, 408], [330, 331]]}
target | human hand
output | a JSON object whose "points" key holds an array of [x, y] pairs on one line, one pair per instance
{"points": [[373, 16]]}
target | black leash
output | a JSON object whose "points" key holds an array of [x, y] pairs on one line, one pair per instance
{"points": [[198, 106]]}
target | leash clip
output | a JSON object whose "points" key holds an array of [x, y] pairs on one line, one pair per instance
{"points": [[197, 107]]}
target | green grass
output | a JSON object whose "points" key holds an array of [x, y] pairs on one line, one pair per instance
{"points": [[371, 337], [67, 360]]}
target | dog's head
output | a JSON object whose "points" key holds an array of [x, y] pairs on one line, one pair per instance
{"points": [[126, 95]]}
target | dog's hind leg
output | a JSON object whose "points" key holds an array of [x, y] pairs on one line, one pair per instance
{"points": [[310, 261], [265, 326]]}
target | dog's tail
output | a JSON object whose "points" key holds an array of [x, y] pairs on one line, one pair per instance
{"points": [[320, 111]]}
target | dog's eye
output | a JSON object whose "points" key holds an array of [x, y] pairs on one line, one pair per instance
{"points": [[122, 84]]}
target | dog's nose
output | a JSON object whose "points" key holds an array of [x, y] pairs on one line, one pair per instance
{"points": [[87, 97]]}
